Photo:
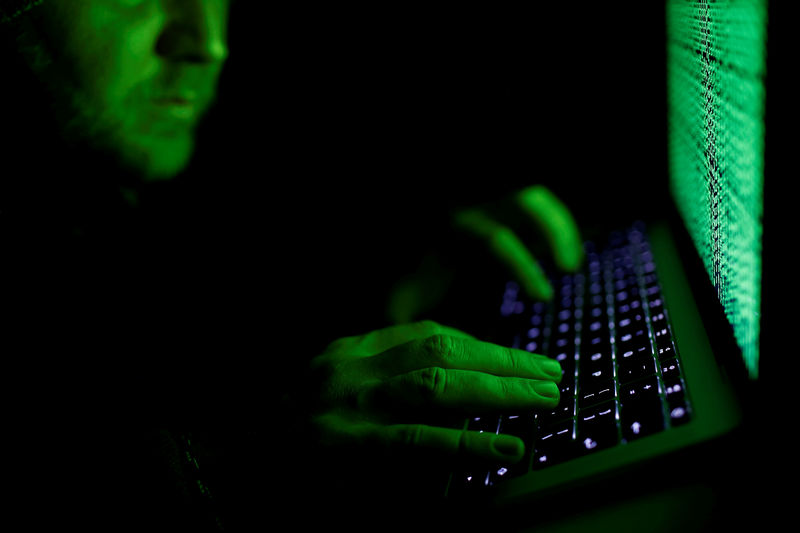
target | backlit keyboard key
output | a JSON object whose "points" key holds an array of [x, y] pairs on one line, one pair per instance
{"points": [[599, 393], [564, 410], [554, 445], [678, 413], [636, 368], [670, 369], [635, 393], [519, 425], [597, 427], [484, 424], [641, 419]]}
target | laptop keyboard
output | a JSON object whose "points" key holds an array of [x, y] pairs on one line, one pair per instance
{"points": [[622, 381]]}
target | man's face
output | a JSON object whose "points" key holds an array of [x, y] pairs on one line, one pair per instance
{"points": [[133, 77]]}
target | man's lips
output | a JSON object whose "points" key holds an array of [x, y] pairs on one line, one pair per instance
{"points": [[178, 106], [175, 101]]}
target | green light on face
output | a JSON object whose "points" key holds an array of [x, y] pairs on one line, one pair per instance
{"points": [[133, 78], [716, 67]]}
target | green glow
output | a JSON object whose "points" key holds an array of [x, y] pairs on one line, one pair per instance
{"points": [[716, 62], [131, 78]]}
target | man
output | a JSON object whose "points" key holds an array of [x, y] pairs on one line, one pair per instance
{"points": [[118, 88]]}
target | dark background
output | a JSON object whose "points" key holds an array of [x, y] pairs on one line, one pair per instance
{"points": [[341, 134], [466, 104]]}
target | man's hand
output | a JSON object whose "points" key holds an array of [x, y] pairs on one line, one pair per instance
{"points": [[501, 230], [376, 389], [505, 232]]}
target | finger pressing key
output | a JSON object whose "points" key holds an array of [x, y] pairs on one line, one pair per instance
{"points": [[459, 353], [463, 390]]}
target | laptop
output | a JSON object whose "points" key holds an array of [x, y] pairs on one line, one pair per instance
{"points": [[661, 335]]}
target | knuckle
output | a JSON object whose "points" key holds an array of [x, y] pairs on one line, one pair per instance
{"points": [[438, 348], [428, 327], [463, 443], [431, 382], [512, 361], [411, 435], [505, 387]]}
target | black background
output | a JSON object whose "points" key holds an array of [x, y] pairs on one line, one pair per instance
{"points": [[464, 103], [341, 130]]}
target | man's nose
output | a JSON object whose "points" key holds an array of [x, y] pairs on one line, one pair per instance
{"points": [[195, 31]]}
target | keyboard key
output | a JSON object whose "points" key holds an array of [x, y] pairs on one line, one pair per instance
{"points": [[656, 306], [535, 333], [567, 388], [666, 351], [597, 326], [679, 413], [641, 419], [561, 344], [467, 481], [564, 410], [533, 346], [670, 369], [484, 424], [626, 296], [554, 445], [639, 352], [598, 394], [628, 340], [596, 314], [677, 405], [635, 368], [595, 377], [591, 360], [663, 336], [501, 473], [567, 361], [674, 391], [630, 322], [595, 344], [597, 427], [650, 278], [641, 391], [653, 292], [658, 320], [629, 307], [519, 425]]}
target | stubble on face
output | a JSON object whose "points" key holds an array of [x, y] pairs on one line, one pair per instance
{"points": [[104, 91]]}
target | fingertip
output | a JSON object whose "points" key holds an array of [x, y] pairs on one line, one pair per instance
{"points": [[547, 292], [541, 290], [570, 259], [548, 390], [508, 448], [553, 369]]}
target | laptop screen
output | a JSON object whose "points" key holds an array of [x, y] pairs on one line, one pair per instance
{"points": [[716, 62]]}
